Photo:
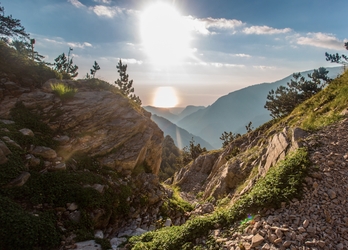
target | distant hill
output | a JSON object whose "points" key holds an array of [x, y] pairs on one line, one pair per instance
{"points": [[234, 111], [173, 114], [180, 136]]}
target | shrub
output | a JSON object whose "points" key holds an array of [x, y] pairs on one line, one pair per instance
{"points": [[63, 91]]}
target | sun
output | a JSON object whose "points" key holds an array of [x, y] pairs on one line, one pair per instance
{"points": [[165, 97], [165, 34]]}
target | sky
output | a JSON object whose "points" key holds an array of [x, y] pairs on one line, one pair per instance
{"points": [[189, 51]]}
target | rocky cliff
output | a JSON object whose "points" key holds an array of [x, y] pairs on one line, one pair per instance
{"points": [[95, 121]]}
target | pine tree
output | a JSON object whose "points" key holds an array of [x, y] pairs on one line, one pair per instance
{"points": [[94, 69], [124, 84], [64, 64]]}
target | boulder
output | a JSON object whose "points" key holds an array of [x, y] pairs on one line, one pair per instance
{"points": [[44, 152]]}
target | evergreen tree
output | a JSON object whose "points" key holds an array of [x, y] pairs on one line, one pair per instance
{"points": [[10, 27], [64, 64], [124, 84], [284, 100], [27, 49], [94, 69], [227, 138], [336, 58]]}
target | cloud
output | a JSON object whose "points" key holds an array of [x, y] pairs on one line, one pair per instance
{"points": [[106, 11], [131, 61], [103, 1], [204, 25], [79, 45], [76, 3], [321, 40], [242, 55], [263, 67], [216, 64], [264, 30]]}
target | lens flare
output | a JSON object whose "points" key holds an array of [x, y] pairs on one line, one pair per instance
{"points": [[165, 97]]}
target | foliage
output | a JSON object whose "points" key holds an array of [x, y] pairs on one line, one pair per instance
{"points": [[94, 69], [19, 68], [63, 91], [336, 58], [227, 138], [22, 230], [125, 85], [27, 49], [282, 183], [249, 127], [175, 204], [323, 108], [10, 27], [65, 65], [284, 100], [190, 152], [170, 159]]}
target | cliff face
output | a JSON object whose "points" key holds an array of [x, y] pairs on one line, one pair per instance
{"points": [[95, 121]]}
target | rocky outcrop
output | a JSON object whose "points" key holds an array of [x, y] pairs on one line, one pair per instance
{"points": [[219, 173], [319, 220], [95, 121]]}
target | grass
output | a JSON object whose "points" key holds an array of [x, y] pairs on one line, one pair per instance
{"points": [[281, 183], [63, 91], [324, 108]]}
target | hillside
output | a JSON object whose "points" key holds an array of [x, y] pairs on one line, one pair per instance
{"points": [[283, 188], [180, 136], [234, 111], [173, 114]]}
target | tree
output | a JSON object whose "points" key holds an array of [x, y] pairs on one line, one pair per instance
{"points": [[284, 100], [227, 138], [249, 127], [336, 58], [27, 49], [125, 85], [94, 69], [64, 64], [10, 27]]}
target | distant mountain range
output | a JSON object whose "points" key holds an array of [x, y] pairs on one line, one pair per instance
{"points": [[180, 136], [173, 114], [231, 112]]}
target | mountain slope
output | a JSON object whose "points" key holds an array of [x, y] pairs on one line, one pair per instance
{"points": [[173, 114], [234, 111], [180, 136]]}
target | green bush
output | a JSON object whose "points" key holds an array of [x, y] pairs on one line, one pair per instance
{"points": [[63, 91], [22, 230]]}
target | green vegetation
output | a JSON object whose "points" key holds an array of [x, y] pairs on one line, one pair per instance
{"points": [[324, 108], [125, 85], [281, 183], [175, 203], [63, 91], [64, 65], [284, 100], [227, 138], [336, 58], [170, 159]]}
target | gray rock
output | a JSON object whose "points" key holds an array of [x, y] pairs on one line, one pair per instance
{"points": [[27, 132], [44, 152], [20, 180], [87, 245]]}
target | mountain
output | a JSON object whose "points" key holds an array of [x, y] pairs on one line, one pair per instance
{"points": [[173, 114], [180, 136], [234, 111]]}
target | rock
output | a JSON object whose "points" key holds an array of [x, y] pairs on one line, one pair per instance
{"points": [[332, 194], [87, 245], [257, 240], [305, 223], [99, 234], [72, 206], [27, 132], [59, 167], [75, 216], [168, 222], [9, 141], [20, 180], [99, 187], [44, 152], [62, 139], [115, 242]]}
